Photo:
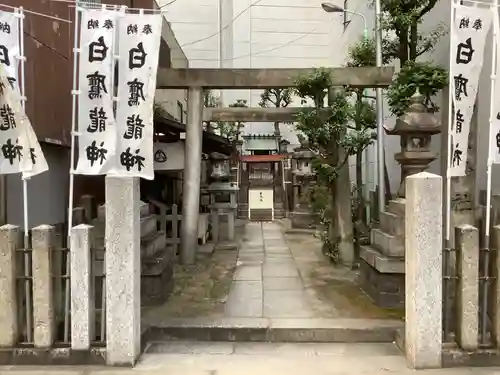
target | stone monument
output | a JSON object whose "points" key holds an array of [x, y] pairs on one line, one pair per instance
{"points": [[382, 262]]}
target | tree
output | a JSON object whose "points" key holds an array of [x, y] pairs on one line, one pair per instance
{"points": [[227, 129], [402, 18], [331, 135], [232, 129], [364, 117], [279, 98]]}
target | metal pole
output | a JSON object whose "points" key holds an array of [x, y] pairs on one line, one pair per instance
{"points": [[192, 173], [380, 112], [74, 94]]}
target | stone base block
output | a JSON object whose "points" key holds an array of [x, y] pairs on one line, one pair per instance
{"points": [[157, 279], [385, 289], [304, 220], [389, 245]]}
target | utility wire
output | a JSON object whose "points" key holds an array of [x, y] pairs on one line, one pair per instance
{"points": [[266, 50], [167, 4], [223, 28]]}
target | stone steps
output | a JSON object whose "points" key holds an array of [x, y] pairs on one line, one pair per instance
{"points": [[397, 206], [261, 215], [392, 224], [387, 244], [382, 263], [274, 330]]}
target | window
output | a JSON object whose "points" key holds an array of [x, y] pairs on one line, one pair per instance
{"points": [[346, 19]]}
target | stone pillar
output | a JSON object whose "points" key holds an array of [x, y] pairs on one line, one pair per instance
{"points": [[43, 301], [467, 245], [82, 299], [88, 204], [424, 271], [123, 270], [10, 241], [231, 216], [192, 171]]}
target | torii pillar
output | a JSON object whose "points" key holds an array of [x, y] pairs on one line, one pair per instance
{"points": [[192, 176]]}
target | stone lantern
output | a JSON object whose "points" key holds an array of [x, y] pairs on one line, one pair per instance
{"points": [[220, 167], [415, 128], [223, 202], [303, 178]]}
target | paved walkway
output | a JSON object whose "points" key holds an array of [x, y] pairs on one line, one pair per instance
{"points": [[267, 282], [273, 280], [224, 358]]}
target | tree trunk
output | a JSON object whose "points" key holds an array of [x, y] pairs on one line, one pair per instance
{"points": [[342, 214]]}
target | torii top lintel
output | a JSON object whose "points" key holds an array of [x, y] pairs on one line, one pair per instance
{"points": [[368, 77]]}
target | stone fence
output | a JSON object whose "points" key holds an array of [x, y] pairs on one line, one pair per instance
{"points": [[451, 295], [48, 317]]}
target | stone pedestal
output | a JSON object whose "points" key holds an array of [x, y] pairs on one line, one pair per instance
{"points": [[382, 262]]}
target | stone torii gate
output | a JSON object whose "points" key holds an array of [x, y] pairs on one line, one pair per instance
{"points": [[196, 80]]}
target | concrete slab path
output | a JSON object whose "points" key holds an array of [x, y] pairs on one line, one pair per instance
{"points": [[267, 282], [229, 358]]}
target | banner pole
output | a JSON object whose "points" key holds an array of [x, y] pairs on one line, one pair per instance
{"points": [[450, 124], [493, 79], [74, 94]]}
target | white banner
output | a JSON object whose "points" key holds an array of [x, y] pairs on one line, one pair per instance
{"points": [[9, 45], [139, 46], [34, 160], [96, 124], [468, 38], [15, 155], [494, 147]]}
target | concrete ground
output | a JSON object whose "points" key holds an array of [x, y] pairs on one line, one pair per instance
{"points": [[216, 358], [271, 276]]}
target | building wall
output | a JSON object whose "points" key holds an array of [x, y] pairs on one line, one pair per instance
{"points": [[173, 101], [47, 192], [298, 33]]}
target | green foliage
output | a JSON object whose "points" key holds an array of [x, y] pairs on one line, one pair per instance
{"points": [[428, 78], [276, 98], [403, 19], [321, 204], [210, 100], [327, 129], [314, 86], [230, 129], [227, 129]]}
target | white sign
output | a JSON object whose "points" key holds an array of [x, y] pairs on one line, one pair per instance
{"points": [[96, 124], [169, 156], [139, 46], [468, 36], [11, 112]]}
